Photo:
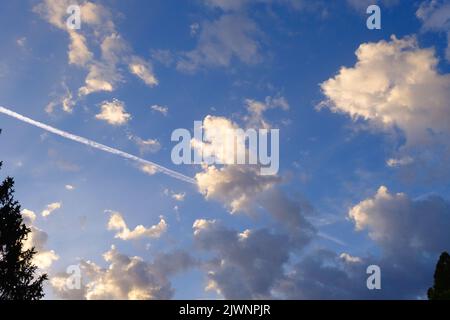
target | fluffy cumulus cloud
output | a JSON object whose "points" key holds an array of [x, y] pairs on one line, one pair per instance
{"points": [[114, 113], [399, 223], [217, 141], [435, 16], [411, 234], [242, 188], [37, 239], [125, 277], [396, 85], [257, 264], [247, 264], [103, 71], [117, 223], [250, 264], [236, 186]]}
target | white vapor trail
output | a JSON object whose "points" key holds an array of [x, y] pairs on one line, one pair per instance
{"points": [[96, 145]]}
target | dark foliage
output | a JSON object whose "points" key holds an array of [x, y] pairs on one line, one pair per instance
{"points": [[18, 278], [441, 288]]}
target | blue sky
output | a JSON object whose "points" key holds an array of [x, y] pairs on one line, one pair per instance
{"points": [[363, 179]]}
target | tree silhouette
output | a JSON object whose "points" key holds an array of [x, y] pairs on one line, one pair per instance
{"points": [[18, 279], [441, 288]]}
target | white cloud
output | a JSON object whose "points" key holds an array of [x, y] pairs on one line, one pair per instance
{"points": [[242, 188], [28, 216], [401, 224], [96, 15], [143, 70], [179, 196], [62, 286], [51, 208], [92, 14], [404, 89], [349, 258], [396, 85], [79, 53], [126, 278], [176, 196], [246, 267], [225, 142], [149, 169], [44, 259], [65, 100], [104, 72], [112, 48], [69, 187], [435, 16], [101, 77], [399, 162], [163, 110], [235, 186], [37, 238], [233, 36], [114, 113], [230, 36], [216, 141], [117, 223], [53, 11]]}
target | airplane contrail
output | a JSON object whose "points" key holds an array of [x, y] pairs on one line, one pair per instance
{"points": [[97, 145]]}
